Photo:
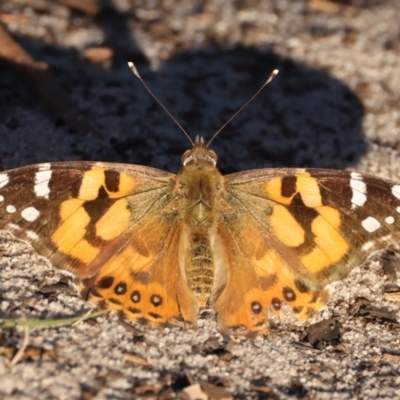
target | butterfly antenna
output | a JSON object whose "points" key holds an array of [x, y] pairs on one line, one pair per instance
{"points": [[274, 73], [133, 68]]}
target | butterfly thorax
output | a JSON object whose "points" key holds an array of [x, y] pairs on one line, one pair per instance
{"points": [[200, 196]]}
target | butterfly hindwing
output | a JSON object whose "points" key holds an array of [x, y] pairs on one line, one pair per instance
{"points": [[142, 281], [259, 279]]}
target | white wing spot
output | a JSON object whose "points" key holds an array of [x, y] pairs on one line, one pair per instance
{"points": [[389, 220], [42, 179], [356, 176], [4, 179], [359, 190], [30, 214], [32, 235], [11, 209], [367, 246], [1, 198], [370, 224], [385, 238], [14, 226], [44, 167], [398, 209], [396, 191]]}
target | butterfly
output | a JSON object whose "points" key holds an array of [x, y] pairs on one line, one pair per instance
{"points": [[154, 246]]}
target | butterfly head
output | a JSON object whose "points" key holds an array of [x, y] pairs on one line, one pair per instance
{"points": [[199, 154]]}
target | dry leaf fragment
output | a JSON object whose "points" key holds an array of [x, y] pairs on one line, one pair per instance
{"points": [[215, 392], [392, 292], [321, 333], [194, 392], [7, 351], [6, 18], [136, 359], [91, 7], [98, 54], [324, 5], [391, 356]]}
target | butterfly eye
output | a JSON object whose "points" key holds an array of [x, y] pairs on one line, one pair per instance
{"points": [[186, 156], [213, 155]]}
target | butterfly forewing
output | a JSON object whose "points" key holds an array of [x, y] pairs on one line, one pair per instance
{"points": [[323, 223], [67, 207], [104, 223]]}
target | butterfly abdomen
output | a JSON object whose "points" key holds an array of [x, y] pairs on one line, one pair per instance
{"points": [[200, 266]]}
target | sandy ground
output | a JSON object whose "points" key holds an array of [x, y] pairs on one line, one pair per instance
{"points": [[334, 104]]}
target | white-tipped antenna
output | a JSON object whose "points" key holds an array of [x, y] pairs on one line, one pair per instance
{"points": [[133, 68], [274, 73]]}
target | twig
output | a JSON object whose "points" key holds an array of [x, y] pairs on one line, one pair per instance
{"points": [[21, 351]]}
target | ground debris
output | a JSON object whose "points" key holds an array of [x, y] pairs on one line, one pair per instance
{"points": [[213, 346], [363, 308], [391, 292], [322, 333], [262, 388], [390, 264]]}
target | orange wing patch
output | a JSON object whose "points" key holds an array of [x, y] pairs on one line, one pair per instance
{"points": [[97, 184], [285, 227], [282, 191], [115, 221], [277, 284], [69, 236], [271, 284], [329, 244], [137, 299], [309, 191], [116, 184]]}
